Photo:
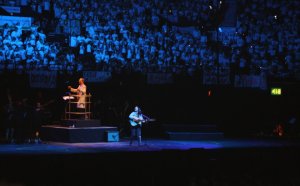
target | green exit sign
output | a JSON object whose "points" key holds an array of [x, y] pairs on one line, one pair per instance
{"points": [[276, 91]]}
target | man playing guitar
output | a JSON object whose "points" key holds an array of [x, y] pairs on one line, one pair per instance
{"points": [[136, 119]]}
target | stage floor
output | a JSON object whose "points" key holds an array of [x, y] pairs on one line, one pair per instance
{"points": [[163, 162], [147, 145]]}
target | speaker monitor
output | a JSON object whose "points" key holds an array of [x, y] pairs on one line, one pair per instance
{"points": [[112, 136]]}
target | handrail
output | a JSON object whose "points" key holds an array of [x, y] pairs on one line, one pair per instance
{"points": [[70, 101]]}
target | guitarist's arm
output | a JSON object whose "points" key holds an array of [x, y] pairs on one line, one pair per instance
{"points": [[146, 117]]}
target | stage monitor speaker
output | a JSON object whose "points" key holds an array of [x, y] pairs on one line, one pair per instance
{"points": [[112, 136]]}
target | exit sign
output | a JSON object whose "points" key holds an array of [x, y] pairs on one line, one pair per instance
{"points": [[276, 91]]}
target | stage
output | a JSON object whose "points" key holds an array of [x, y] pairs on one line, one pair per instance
{"points": [[155, 162], [86, 152]]}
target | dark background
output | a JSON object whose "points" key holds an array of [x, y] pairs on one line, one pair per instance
{"points": [[236, 111]]}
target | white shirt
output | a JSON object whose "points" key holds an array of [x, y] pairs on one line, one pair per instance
{"points": [[81, 93]]}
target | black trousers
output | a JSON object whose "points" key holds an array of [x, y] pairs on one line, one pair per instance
{"points": [[136, 133]]}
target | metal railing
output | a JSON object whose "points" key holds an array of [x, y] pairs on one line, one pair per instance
{"points": [[72, 100]]}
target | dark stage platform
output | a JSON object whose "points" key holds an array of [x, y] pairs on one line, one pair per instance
{"points": [[82, 134], [77, 131]]}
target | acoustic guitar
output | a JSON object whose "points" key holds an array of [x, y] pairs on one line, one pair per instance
{"points": [[135, 122]]}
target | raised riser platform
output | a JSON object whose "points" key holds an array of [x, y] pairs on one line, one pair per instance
{"points": [[193, 132], [76, 131], [75, 135]]}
